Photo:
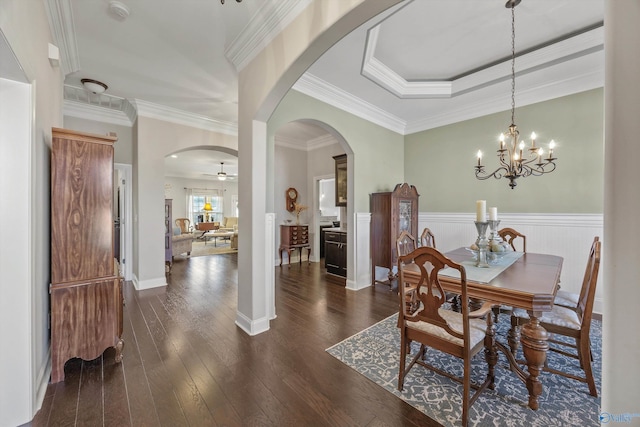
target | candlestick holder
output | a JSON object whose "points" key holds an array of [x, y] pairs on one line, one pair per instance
{"points": [[482, 243], [493, 226]]}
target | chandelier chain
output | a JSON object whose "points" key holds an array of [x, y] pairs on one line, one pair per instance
{"points": [[513, 64]]}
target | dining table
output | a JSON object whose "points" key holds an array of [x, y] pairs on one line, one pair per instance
{"points": [[516, 279]]}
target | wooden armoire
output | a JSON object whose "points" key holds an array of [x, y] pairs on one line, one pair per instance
{"points": [[391, 213], [86, 287]]}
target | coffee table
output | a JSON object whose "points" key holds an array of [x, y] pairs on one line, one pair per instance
{"points": [[217, 234]]}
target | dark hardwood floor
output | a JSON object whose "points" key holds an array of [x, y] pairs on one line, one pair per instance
{"points": [[187, 363]]}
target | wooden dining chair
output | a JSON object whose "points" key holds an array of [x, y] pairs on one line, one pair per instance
{"points": [[405, 244], [459, 334], [572, 323], [427, 238], [509, 235]]}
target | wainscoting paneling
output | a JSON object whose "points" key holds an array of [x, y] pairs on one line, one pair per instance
{"points": [[566, 235]]}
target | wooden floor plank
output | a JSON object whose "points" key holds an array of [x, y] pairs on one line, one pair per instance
{"points": [[186, 362]]}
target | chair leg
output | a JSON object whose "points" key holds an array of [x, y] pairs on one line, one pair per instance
{"points": [[585, 357], [403, 357], [466, 390], [496, 313]]}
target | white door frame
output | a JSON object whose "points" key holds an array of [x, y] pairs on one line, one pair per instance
{"points": [[125, 173]]}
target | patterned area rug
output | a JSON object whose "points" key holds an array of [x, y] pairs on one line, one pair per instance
{"points": [[375, 353], [220, 247]]}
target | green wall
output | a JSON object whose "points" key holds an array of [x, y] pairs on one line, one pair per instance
{"points": [[440, 162], [378, 153]]}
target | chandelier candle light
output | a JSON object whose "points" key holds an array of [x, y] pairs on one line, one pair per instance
{"points": [[516, 161]]}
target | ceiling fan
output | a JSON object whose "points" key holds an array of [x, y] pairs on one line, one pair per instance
{"points": [[222, 175]]}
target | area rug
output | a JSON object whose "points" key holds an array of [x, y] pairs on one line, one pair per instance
{"points": [[375, 354], [220, 247]]}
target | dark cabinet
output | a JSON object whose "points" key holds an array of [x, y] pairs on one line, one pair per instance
{"points": [[86, 287], [335, 252], [391, 213], [341, 179]]}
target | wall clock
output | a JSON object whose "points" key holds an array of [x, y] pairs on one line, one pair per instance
{"points": [[292, 198]]}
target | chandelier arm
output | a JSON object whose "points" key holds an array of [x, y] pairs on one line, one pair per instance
{"points": [[481, 174]]}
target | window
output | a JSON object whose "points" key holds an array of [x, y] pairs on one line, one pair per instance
{"points": [[196, 202]]}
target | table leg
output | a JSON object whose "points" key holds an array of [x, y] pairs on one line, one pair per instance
{"points": [[280, 250], [534, 339], [300, 256], [490, 350], [309, 255]]}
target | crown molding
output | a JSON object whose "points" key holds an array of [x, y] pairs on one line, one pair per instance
{"points": [[263, 27], [86, 111], [544, 57], [293, 143], [60, 16], [321, 141], [173, 115], [588, 80], [323, 91]]}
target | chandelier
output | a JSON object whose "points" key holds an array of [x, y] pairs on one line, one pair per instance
{"points": [[515, 160]]}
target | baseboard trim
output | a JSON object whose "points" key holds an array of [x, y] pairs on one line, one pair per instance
{"points": [[251, 327], [352, 285], [141, 285], [42, 384]]}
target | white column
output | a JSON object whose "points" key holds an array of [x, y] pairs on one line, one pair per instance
{"points": [[621, 345]]}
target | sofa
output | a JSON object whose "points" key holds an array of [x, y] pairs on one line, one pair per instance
{"points": [[229, 223], [181, 243]]}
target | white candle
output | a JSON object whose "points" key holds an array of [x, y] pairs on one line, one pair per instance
{"points": [[481, 210], [493, 214]]}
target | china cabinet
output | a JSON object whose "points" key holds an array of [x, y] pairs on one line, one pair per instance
{"points": [[391, 213]]}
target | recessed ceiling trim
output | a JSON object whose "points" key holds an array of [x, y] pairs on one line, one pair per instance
{"points": [[564, 50], [168, 114], [590, 79], [320, 142], [86, 111], [263, 27], [380, 73], [60, 15], [323, 91], [292, 143]]}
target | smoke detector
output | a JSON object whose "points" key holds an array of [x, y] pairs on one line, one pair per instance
{"points": [[118, 10]]}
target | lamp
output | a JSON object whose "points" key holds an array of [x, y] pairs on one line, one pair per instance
{"points": [[222, 175], [207, 208], [94, 86], [511, 153]]}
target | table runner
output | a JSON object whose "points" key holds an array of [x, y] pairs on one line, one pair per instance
{"points": [[483, 275]]}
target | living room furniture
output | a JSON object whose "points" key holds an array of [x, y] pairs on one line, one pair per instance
{"points": [[86, 288], [218, 234], [572, 323], [184, 224], [341, 179], [294, 237], [391, 213], [168, 233], [335, 251], [229, 223], [461, 335], [203, 227], [427, 238], [181, 243]]}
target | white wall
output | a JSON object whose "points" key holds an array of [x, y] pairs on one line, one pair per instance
{"points": [[26, 28], [621, 345], [122, 149]]}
